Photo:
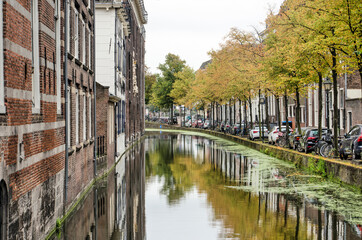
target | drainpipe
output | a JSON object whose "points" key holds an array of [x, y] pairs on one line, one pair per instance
{"points": [[94, 121], [66, 101]]}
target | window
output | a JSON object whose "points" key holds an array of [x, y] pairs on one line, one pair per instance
{"points": [[2, 86], [119, 117], [76, 34], [84, 117], [90, 116], [76, 117], [58, 54], [68, 26], [123, 116], [341, 98], [349, 119], [110, 123], [89, 49], [83, 42], [35, 57], [68, 111]]}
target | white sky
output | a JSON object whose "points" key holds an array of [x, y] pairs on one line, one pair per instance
{"points": [[191, 28]]}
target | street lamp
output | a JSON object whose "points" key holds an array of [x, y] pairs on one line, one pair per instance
{"points": [[327, 86]]}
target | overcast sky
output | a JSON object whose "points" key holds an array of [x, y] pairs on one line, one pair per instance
{"points": [[191, 28]]}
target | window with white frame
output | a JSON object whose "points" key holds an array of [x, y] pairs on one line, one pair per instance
{"points": [[90, 116], [83, 43], [58, 54], [68, 27], [84, 117], [77, 117], [341, 98], [35, 57], [76, 33], [110, 123], [89, 49], [2, 85]]}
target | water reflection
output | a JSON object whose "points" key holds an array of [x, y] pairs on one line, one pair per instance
{"points": [[114, 208], [245, 194], [177, 186]]}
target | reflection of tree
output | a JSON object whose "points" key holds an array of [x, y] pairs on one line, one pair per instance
{"points": [[168, 166]]}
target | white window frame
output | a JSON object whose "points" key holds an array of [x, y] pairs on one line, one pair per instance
{"points": [[76, 33], [90, 49], [84, 117], [35, 58], [111, 123], [77, 116], [90, 116], [83, 43], [2, 85], [58, 54], [68, 28]]}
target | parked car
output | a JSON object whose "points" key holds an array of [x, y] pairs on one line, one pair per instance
{"points": [[274, 133], [188, 123], [227, 127], [254, 133], [236, 129], [200, 123], [352, 143], [207, 124], [309, 139]]}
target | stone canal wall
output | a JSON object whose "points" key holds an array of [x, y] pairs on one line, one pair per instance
{"points": [[343, 171]]}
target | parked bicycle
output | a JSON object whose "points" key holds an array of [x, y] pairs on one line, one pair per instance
{"points": [[327, 149]]}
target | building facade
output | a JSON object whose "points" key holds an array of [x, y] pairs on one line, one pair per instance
{"points": [[32, 120]]}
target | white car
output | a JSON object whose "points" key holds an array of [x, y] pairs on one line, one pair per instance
{"points": [[274, 134], [188, 123], [254, 133]]}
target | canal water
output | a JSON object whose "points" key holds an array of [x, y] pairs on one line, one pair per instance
{"points": [[177, 185]]}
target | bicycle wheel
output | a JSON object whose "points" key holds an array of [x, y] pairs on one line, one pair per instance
{"points": [[326, 150], [282, 142]]}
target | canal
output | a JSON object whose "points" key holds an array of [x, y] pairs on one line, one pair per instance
{"points": [[176, 185]]}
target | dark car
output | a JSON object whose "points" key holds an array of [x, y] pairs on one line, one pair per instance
{"points": [[352, 143], [309, 139], [236, 129]]}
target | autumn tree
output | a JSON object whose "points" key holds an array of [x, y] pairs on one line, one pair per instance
{"points": [[161, 91]]}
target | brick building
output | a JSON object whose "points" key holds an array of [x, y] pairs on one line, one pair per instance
{"points": [[79, 37], [32, 126], [135, 65]]}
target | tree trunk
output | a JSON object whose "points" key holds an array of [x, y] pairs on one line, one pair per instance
{"points": [[172, 114], [267, 112], [230, 113], [297, 114], [217, 113], [245, 118], [251, 113], [259, 116], [335, 101], [286, 115], [226, 106], [240, 112], [320, 105], [278, 112]]}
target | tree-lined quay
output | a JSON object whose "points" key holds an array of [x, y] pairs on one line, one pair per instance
{"points": [[304, 68]]}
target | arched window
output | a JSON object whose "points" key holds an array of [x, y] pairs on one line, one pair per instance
{"points": [[3, 210]]}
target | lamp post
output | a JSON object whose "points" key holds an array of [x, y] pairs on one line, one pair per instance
{"points": [[327, 86]]}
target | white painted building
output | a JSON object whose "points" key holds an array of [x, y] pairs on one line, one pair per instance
{"points": [[112, 27]]}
